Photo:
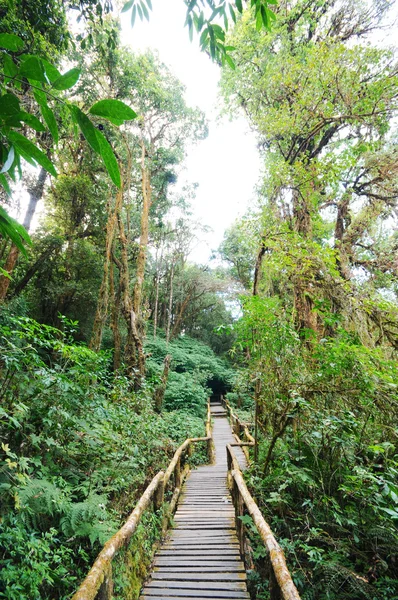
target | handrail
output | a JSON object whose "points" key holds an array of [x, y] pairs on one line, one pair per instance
{"points": [[239, 427], [280, 583], [98, 582]]}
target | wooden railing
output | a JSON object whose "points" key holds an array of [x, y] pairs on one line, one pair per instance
{"points": [[281, 586], [240, 429], [99, 581]]}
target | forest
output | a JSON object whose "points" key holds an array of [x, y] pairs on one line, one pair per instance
{"points": [[113, 338]]}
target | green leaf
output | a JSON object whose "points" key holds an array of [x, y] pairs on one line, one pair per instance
{"points": [[86, 127], [264, 16], [10, 228], [218, 32], [9, 105], [32, 68], [259, 21], [133, 15], [109, 159], [203, 37], [238, 4], [67, 80], [30, 152], [4, 183], [10, 159], [10, 68], [51, 122], [127, 6], [149, 3], [31, 120], [51, 71], [233, 15], [11, 42], [145, 10], [40, 97], [113, 109], [230, 61]]}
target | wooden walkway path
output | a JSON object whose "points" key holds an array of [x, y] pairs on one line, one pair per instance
{"points": [[200, 557]]}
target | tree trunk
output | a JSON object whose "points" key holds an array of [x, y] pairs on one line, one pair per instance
{"points": [[103, 296], [170, 311], [305, 317], [342, 256], [35, 194], [144, 236], [181, 312], [134, 353], [157, 284], [22, 283], [115, 313], [257, 270], [158, 394]]}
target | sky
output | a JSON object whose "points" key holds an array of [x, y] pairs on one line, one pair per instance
{"points": [[226, 165]]}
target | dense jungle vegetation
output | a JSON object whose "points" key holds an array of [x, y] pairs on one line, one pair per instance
{"points": [[112, 338]]}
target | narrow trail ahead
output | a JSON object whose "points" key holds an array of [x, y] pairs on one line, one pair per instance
{"points": [[200, 556]]}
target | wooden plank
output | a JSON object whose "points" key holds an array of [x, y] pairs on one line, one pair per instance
{"points": [[194, 576], [197, 585], [197, 570], [200, 558], [193, 595], [195, 562], [211, 548], [221, 552]]}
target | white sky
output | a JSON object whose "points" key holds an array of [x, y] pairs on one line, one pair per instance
{"points": [[227, 164]]}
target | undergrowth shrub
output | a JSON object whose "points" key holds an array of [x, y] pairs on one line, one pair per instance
{"points": [[326, 476], [78, 448]]}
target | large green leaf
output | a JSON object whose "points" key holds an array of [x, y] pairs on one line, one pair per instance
{"points": [[86, 127], [67, 80], [51, 122], [52, 72], [32, 68], [10, 228], [10, 68], [11, 42], [31, 120], [114, 110], [109, 159], [40, 97], [127, 6], [9, 105], [30, 152]]}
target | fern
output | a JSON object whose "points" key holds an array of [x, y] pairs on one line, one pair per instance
{"points": [[89, 519], [384, 537], [39, 499], [340, 582]]}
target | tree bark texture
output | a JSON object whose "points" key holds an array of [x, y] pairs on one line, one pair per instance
{"points": [[144, 236], [103, 295]]}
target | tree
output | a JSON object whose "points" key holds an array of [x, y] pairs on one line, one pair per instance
{"points": [[324, 129]]}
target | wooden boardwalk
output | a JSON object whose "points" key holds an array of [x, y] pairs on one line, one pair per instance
{"points": [[200, 557]]}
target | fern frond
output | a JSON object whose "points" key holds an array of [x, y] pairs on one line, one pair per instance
{"points": [[89, 519]]}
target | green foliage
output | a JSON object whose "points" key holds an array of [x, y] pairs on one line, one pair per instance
{"points": [[34, 564], [193, 366], [77, 450]]}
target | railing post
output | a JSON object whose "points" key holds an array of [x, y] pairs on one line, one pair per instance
{"points": [[159, 494], [238, 520], [177, 474], [106, 590]]}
